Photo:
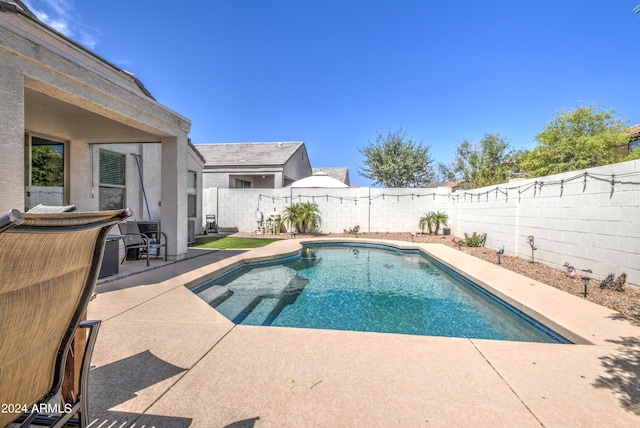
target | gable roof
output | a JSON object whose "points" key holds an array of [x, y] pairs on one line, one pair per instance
{"points": [[340, 174], [248, 154], [20, 8], [633, 132]]}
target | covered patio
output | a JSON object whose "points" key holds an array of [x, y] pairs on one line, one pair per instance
{"points": [[58, 95]]}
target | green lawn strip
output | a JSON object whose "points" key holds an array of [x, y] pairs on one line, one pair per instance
{"points": [[229, 242]]}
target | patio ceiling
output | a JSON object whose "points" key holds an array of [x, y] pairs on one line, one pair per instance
{"points": [[80, 123]]}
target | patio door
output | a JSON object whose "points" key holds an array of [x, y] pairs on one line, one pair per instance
{"points": [[44, 172]]}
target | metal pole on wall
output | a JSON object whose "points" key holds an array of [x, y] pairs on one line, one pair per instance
{"points": [[144, 193], [369, 221]]}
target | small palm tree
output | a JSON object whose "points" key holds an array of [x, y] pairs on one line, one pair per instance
{"points": [[427, 221], [439, 219], [303, 217]]}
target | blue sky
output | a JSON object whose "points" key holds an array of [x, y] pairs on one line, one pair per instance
{"points": [[335, 73]]}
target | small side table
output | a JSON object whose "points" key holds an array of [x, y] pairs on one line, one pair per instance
{"points": [[110, 259]]}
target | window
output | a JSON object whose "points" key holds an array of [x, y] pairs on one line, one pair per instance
{"points": [[44, 172], [192, 194], [242, 184], [112, 180]]}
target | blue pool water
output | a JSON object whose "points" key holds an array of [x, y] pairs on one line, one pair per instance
{"points": [[368, 289]]}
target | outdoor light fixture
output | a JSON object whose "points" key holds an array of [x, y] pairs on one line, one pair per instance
{"points": [[585, 282], [530, 240], [499, 253]]}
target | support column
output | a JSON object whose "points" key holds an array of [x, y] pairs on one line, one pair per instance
{"points": [[174, 195], [11, 136]]}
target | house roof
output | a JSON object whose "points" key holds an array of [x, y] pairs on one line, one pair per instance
{"points": [[19, 7], [633, 132], [195, 151], [16, 6], [340, 174], [248, 154]]}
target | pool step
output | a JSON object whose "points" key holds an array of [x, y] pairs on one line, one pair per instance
{"points": [[215, 294], [262, 311], [237, 307], [243, 306]]}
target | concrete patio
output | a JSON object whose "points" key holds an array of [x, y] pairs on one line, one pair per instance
{"points": [[166, 358]]}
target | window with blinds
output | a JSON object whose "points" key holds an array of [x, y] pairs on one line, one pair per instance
{"points": [[112, 180], [192, 194]]}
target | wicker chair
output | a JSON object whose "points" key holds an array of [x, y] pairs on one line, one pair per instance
{"points": [[49, 264]]}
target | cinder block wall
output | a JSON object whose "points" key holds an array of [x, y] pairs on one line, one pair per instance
{"points": [[577, 217]]}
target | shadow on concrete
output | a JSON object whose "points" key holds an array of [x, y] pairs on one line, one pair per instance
{"points": [[245, 423], [141, 274], [119, 382], [623, 373], [621, 317], [134, 420]]}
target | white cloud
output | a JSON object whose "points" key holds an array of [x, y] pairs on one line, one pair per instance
{"points": [[62, 16]]}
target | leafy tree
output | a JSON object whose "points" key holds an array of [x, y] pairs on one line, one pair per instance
{"points": [[395, 160], [583, 138], [489, 161], [46, 166], [633, 155]]}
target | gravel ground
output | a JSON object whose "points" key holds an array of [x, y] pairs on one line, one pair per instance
{"points": [[627, 302]]}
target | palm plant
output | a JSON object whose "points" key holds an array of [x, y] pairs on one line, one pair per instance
{"points": [[303, 217], [432, 221], [427, 221], [438, 220]]}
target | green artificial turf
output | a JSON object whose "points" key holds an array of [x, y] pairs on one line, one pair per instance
{"points": [[229, 242]]}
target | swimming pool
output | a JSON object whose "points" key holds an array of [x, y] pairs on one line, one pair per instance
{"points": [[373, 288]]}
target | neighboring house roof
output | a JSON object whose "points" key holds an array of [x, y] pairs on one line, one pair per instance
{"points": [[248, 154], [196, 152], [453, 184], [319, 179], [633, 132], [340, 174]]}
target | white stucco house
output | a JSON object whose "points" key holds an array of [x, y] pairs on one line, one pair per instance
{"points": [[98, 131], [254, 165]]}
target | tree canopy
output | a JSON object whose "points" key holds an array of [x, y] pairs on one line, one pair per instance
{"points": [[395, 160], [483, 163], [582, 138], [47, 166]]}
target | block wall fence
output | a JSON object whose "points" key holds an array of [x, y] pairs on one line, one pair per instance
{"points": [[589, 218]]}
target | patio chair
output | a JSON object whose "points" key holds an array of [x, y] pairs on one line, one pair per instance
{"points": [[138, 244], [49, 264], [50, 209]]}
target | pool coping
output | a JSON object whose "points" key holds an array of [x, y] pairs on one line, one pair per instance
{"points": [[164, 357], [566, 314]]}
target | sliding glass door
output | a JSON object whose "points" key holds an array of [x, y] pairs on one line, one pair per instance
{"points": [[44, 169]]}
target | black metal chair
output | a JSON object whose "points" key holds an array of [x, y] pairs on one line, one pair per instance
{"points": [[138, 244]]}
